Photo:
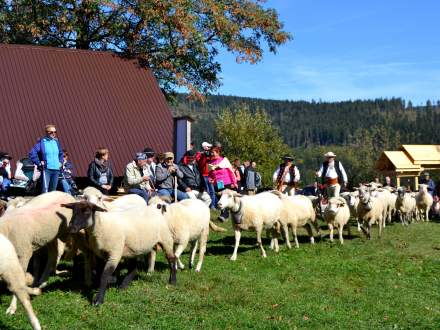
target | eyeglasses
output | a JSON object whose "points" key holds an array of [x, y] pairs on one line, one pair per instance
{"points": [[51, 132]]}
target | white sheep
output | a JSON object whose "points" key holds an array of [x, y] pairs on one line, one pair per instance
{"points": [[297, 211], [37, 224], [118, 234], [370, 211], [337, 214], [405, 206], [424, 202], [258, 212], [12, 273], [352, 199], [189, 222]]}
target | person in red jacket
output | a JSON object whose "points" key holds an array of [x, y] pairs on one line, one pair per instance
{"points": [[202, 158]]}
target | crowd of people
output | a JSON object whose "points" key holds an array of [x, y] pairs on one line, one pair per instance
{"points": [[199, 174]]}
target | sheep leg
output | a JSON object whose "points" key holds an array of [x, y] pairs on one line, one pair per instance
{"points": [[178, 252], [109, 268], [348, 229], [260, 243], [341, 238], [427, 214], [295, 237], [318, 230], [330, 227], [167, 246], [203, 241], [132, 272], [369, 229], [237, 233], [381, 221], [286, 235], [272, 243], [310, 232], [52, 256], [151, 261], [193, 250], [23, 296], [359, 225], [24, 262]]}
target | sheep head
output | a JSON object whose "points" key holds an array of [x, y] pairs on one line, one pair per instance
{"points": [[334, 204], [83, 215], [228, 199]]}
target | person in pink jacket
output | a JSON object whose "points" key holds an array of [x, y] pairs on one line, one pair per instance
{"points": [[221, 174]]}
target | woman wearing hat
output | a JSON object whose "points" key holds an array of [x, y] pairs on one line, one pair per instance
{"points": [[286, 176], [333, 175]]}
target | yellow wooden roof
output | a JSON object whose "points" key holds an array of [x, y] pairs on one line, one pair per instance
{"points": [[422, 154], [396, 161]]}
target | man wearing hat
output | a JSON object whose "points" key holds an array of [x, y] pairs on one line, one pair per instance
{"points": [[166, 174], [429, 182], [136, 179], [286, 176], [191, 183], [5, 173], [333, 175]]}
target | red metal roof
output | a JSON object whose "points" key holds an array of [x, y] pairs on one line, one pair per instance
{"points": [[94, 99]]}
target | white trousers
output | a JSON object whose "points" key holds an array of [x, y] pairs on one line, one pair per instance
{"points": [[203, 196]]}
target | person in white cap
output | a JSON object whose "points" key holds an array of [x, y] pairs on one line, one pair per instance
{"points": [[333, 175], [202, 158]]}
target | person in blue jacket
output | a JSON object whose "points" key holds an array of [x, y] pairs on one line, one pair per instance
{"points": [[48, 155]]}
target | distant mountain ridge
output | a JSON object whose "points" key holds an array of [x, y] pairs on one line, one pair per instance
{"points": [[305, 124]]}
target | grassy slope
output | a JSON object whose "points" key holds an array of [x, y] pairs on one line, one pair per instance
{"points": [[388, 283]]}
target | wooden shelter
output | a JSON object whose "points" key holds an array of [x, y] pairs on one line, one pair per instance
{"points": [[410, 161]]}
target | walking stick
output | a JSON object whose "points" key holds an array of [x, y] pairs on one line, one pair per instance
{"points": [[175, 189], [44, 179]]}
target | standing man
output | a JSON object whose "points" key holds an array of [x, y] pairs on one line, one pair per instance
{"points": [[333, 175], [48, 155], [286, 176], [429, 182], [252, 179]]}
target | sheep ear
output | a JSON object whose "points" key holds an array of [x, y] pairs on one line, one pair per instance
{"points": [[236, 194], [98, 208], [69, 205]]}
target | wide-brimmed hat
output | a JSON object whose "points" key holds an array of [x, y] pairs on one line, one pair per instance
{"points": [[329, 154], [168, 155], [288, 157]]}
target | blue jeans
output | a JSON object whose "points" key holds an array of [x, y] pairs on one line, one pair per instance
{"points": [[66, 186], [144, 194], [49, 180], [170, 192], [211, 191], [5, 185]]}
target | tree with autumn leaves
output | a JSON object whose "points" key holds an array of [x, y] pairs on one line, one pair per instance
{"points": [[178, 40]]}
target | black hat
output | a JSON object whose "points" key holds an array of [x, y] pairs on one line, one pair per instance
{"points": [[190, 153], [5, 155], [149, 152], [287, 157]]}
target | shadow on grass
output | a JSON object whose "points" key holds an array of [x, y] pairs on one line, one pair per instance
{"points": [[5, 327]]}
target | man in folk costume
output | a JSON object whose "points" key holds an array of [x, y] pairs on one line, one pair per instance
{"points": [[286, 176], [333, 175]]}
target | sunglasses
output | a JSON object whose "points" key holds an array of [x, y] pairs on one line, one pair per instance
{"points": [[51, 132]]}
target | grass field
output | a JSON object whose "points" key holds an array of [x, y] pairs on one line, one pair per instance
{"points": [[392, 283]]}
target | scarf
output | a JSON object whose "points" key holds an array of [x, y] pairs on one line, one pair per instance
{"points": [[102, 165]]}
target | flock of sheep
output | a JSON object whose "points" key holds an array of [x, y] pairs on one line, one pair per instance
{"points": [[126, 228]]}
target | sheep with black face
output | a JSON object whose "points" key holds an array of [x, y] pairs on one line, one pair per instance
{"points": [[122, 233]]}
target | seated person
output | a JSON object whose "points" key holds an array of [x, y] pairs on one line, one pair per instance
{"points": [[26, 176], [66, 176], [5, 173], [166, 173], [191, 182], [136, 178]]}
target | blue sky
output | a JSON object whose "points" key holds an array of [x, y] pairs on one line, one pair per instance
{"points": [[341, 50]]}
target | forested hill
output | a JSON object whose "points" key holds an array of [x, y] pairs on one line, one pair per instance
{"points": [[305, 124]]}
